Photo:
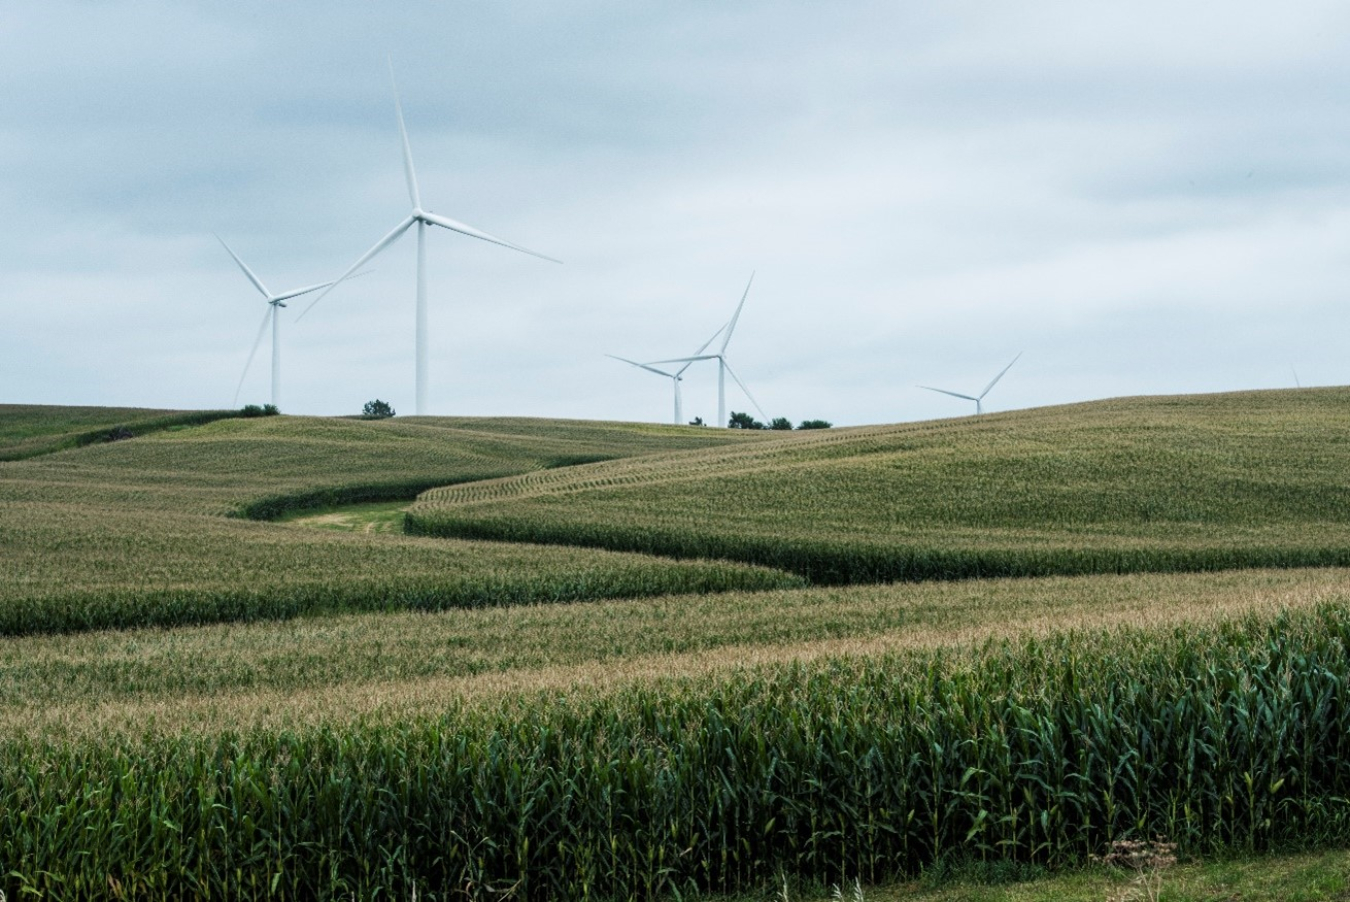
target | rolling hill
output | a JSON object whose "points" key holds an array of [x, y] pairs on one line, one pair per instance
{"points": [[1143, 484]]}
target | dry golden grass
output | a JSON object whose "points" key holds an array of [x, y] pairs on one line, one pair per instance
{"points": [[390, 667]]}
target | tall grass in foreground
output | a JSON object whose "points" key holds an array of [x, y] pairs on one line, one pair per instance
{"points": [[1229, 737]]}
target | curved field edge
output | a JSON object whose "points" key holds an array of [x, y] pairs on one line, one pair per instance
{"points": [[1233, 738], [42, 436], [156, 532], [1146, 484], [118, 570], [282, 506], [393, 666], [843, 563]]}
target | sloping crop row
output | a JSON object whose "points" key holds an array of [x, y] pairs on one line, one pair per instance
{"points": [[153, 531], [32, 431], [1161, 484], [1234, 737]]}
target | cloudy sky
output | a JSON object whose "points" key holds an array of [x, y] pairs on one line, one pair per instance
{"points": [[1144, 198]]}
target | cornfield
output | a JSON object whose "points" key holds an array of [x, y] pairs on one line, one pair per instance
{"points": [[323, 714], [155, 531], [1163, 485], [1230, 737]]}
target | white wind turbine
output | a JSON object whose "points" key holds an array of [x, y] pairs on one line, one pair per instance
{"points": [[274, 304], [980, 397], [421, 218], [676, 377], [723, 368]]}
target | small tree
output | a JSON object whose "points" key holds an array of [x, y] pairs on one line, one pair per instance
{"points": [[743, 421], [377, 410], [815, 424], [780, 423], [253, 410]]}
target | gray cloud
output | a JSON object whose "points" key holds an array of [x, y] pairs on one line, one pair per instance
{"points": [[1152, 198]]}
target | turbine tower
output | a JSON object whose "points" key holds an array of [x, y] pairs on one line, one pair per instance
{"points": [[980, 397], [676, 377], [421, 218], [723, 368], [274, 303]]}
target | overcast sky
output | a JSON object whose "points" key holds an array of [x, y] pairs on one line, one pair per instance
{"points": [[1145, 198]]}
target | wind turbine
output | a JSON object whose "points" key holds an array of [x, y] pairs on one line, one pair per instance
{"points": [[675, 377], [274, 304], [421, 218], [724, 368], [980, 397]]}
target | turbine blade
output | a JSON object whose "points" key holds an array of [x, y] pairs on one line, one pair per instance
{"points": [[446, 222], [731, 326], [408, 171], [257, 283], [952, 393], [295, 293], [262, 330], [642, 366], [746, 390], [998, 377], [687, 359], [701, 348], [379, 246], [299, 291]]}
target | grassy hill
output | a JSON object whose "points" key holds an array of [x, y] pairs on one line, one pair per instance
{"points": [[156, 530], [1203, 482], [30, 430], [364, 714]]}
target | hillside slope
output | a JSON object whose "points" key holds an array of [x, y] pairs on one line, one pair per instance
{"points": [[149, 531], [31, 430], [1197, 482]]}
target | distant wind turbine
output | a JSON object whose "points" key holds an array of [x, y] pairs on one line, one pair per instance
{"points": [[676, 377], [274, 304], [421, 218], [980, 397], [723, 368]]}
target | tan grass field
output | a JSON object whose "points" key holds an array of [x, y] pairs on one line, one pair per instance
{"points": [[184, 612], [390, 667]]}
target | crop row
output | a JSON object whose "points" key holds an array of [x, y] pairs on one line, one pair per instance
{"points": [[72, 568], [394, 665], [1149, 484], [1230, 737], [916, 556], [254, 466], [28, 431]]}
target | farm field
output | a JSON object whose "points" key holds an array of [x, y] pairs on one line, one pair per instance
{"points": [[1187, 483], [31, 430], [158, 531], [224, 672]]}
